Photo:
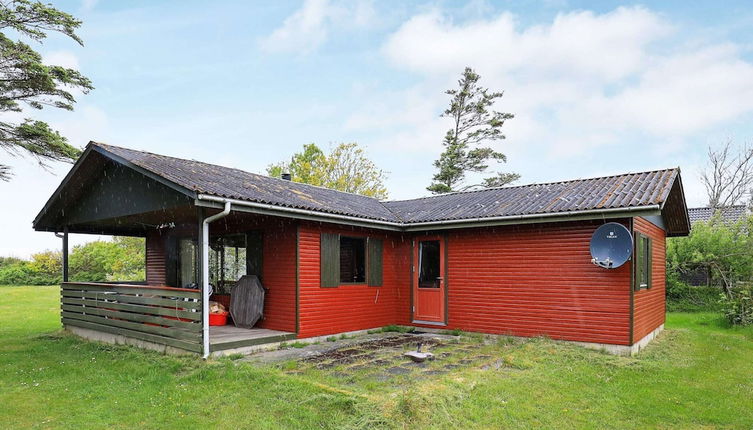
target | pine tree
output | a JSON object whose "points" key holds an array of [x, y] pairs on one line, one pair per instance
{"points": [[474, 123], [26, 81]]}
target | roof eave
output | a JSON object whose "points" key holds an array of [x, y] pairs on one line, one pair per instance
{"points": [[206, 200], [536, 218]]}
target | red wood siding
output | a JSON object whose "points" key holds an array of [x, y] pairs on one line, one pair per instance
{"points": [[155, 259], [351, 307], [536, 280], [649, 304], [278, 276]]}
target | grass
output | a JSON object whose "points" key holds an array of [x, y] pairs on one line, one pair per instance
{"points": [[695, 375]]}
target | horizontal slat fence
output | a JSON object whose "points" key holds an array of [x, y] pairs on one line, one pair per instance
{"points": [[162, 315]]}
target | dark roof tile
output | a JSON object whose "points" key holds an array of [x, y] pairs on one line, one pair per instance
{"points": [[610, 192], [233, 183]]}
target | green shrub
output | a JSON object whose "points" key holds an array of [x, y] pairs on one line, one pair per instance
{"points": [[28, 273], [7, 261], [15, 274], [682, 297], [737, 306], [724, 250], [121, 259], [392, 328]]}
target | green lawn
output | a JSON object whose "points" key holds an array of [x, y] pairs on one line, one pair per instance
{"points": [[698, 374]]}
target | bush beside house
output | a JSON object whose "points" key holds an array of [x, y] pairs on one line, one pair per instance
{"points": [[723, 250], [120, 259]]}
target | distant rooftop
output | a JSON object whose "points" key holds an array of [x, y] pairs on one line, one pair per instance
{"points": [[728, 214]]}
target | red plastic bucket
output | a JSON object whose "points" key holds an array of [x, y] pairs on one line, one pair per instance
{"points": [[218, 319]]}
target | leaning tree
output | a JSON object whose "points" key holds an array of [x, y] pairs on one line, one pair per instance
{"points": [[474, 123]]}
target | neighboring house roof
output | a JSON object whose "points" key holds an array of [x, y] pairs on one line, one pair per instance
{"points": [[647, 191], [728, 214]]}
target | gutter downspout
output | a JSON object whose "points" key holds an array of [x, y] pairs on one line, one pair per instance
{"points": [[205, 275]]}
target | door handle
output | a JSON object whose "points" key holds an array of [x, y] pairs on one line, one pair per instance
{"points": [[439, 278]]}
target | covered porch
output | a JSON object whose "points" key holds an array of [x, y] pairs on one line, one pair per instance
{"points": [[195, 252]]}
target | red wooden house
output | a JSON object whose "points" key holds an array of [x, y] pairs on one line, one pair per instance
{"points": [[512, 260]]}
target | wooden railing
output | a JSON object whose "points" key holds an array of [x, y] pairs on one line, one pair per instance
{"points": [[162, 315]]}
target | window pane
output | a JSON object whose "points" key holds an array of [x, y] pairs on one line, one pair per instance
{"points": [[429, 270], [227, 261], [187, 262], [352, 260], [641, 261]]}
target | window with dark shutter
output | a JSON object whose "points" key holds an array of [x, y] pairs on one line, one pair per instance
{"points": [[330, 260], [350, 260], [374, 269]]}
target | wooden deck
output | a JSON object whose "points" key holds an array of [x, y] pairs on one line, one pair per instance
{"points": [[230, 337]]}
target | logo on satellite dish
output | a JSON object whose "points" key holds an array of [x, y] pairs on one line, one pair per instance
{"points": [[611, 235]]}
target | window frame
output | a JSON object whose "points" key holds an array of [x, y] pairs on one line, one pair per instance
{"points": [[642, 258], [364, 240]]}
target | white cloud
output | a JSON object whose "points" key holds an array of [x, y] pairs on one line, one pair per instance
{"points": [[586, 74], [579, 45], [310, 26], [85, 124], [627, 81], [87, 5], [61, 58]]}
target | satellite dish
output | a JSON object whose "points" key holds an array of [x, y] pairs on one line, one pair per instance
{"points": [[611, 245]]}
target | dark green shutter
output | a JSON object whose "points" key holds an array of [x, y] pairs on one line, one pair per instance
{"points": [[374, 270], [637, 260], [649, 252], [330, 260]]}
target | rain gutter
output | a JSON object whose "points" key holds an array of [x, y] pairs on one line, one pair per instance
{"points": [[446, 224], [434, 225], [305, 212]]}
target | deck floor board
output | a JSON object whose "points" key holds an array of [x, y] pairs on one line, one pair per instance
{"points": [[227, 335]]}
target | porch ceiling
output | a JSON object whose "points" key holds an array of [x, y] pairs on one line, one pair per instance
{"points": [[137, 224]]}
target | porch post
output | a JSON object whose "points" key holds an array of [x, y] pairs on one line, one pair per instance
{"points": [[65, 254]]}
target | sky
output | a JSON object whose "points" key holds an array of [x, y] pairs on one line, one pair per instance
{"points": [[596, 88]]}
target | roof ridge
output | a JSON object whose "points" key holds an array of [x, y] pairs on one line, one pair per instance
{"points": [[105, 145], [534, 184]]}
